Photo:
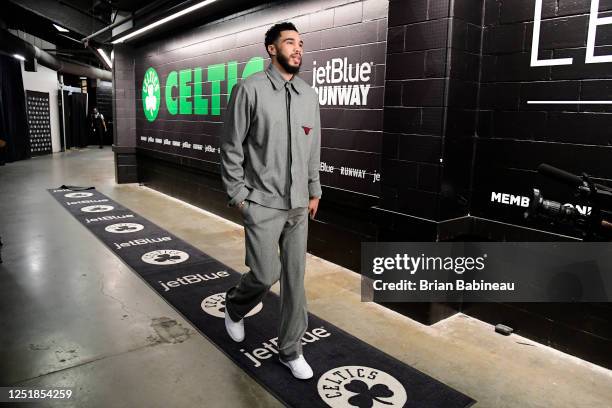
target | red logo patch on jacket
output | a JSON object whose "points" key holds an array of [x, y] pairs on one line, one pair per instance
{"points": [[306, 129]]}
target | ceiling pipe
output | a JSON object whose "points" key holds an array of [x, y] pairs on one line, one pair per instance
{"points": [[135, 14], [11, 44]]}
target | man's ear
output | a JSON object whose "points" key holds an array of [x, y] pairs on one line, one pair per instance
{"points": [[271, 49]]}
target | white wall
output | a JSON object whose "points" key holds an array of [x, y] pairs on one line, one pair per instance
{"points": [[45, 80]]}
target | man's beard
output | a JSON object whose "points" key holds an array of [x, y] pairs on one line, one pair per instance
{"points": [[284, 62]]}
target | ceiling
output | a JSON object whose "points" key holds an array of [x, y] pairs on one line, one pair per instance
{"points": [[85, 17], [81, 17]]}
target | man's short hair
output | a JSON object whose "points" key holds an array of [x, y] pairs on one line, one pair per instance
{"points": [[274, 32]]}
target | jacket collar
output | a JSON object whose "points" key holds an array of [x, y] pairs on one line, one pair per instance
{"points": [[278, 82]]}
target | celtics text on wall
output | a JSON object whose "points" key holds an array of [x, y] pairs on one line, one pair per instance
{"points": [[185, 84]]}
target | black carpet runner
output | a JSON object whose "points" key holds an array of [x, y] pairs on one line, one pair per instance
{"points": [[347, 371]]}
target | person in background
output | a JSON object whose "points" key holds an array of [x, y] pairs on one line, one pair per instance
{"points": [[98, 125]]}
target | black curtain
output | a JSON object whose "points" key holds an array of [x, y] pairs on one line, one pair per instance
{"points": [[75, 115], [13, 117], [80, 130], [65, 123]]}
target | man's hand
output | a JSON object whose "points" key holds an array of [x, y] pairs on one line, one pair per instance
{"points": [[313, 205]]}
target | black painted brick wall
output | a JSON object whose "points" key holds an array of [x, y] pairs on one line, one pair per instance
{"points": [[413, 117], [472, 113], [514, 137], [124, 97], [431, 90], [461, 110], [124, 113], [472, 109]]}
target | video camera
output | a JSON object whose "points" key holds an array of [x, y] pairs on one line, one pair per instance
{"points": [[593, 226]]}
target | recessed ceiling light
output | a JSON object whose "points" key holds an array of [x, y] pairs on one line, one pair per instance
{"points": [[60, 29], [163, 21]]}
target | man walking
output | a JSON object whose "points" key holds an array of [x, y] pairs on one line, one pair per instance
{"points": [[98, 125], [270, 159]]}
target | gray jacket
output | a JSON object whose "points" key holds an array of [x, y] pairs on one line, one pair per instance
{"points": [[256, 163]]}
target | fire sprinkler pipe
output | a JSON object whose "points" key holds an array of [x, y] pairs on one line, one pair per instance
{"points": [[125, 20], [11, 44]]}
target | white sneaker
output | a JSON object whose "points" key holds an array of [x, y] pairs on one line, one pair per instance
{"points": [[299, 368], [234, 329]]}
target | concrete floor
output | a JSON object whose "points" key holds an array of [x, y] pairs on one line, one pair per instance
{"points": [[72, 314]]}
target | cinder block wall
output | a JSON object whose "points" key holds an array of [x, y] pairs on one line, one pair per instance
{"points": [[351, 134], [514, 137], [415, 102], [431, 91], [456, 128], [124, 115]]}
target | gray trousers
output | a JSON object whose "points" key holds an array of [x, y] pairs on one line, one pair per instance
{"points": [[266, 231]]}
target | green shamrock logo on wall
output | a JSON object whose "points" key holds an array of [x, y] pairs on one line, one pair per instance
{"points": [[151, 96]]}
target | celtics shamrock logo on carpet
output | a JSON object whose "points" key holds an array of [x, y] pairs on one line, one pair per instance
{"points": [[78, 195], [215, 305], [124, 228], [97, 208], [165, 257], [360, 387]]}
